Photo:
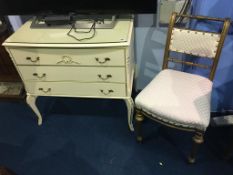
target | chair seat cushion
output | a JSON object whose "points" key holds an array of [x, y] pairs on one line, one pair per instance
{"points": [[177, 98]]}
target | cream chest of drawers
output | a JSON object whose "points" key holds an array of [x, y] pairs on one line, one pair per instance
{"points": [[51, 63]]}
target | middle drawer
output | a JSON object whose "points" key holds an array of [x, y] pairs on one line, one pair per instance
{"points": [[80, 74]]}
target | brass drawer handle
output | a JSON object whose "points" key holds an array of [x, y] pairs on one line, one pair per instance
{"points": [[67, 60], [106, 93], [104, 78], [39, 76], [34, 61], [45, 91], [104, 61]]}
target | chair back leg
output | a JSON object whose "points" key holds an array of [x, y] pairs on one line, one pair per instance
{"points": [[197, 140], [138, 123]]}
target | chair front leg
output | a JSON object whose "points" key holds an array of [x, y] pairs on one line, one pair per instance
{"points": [[197, 140], [139, 119]]}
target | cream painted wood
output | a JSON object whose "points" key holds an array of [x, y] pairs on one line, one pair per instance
{"points": [[67, 45], [52, 64], [119, 36], [74, 57], [129, 104], [130, 67], [76, 89], [31, 101], [80, 74]]}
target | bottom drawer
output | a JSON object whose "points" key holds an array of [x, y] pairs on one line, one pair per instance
{"points": [[73, 89]]}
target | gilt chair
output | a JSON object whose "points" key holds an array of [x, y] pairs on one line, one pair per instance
{"points": [[179, 99]]}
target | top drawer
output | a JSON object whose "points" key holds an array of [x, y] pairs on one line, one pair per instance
{"points": [[54, 56]]}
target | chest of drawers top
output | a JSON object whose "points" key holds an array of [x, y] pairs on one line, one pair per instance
{"points": [[58, 38]]}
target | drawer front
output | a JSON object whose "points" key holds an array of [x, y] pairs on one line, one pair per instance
{"points": [[73, 73], [76, 89], [52, 56]]}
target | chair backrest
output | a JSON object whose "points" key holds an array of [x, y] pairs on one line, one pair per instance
{"points": [[195, 42]]}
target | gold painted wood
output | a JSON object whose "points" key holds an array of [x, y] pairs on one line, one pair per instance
{"points": [[139, 119], [169, 33], [226, 24], [188, 63], [224, 32], [198, 137], [169, 124], [197, 140], [201, 17]]}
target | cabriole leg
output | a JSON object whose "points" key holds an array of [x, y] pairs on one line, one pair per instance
{"points": [[130, 107], [31, 101]]}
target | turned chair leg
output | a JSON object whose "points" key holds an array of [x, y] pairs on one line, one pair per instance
{"points": [[139, 119], [197, 140]]}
